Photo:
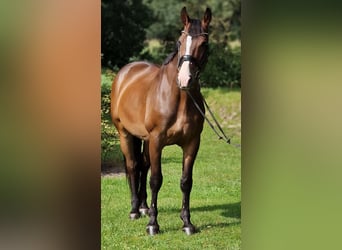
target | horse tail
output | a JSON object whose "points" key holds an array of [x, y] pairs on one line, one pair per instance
{"points": [[137, 143]]}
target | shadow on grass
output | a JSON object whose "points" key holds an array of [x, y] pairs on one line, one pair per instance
{"points": [[205, 227], [230, 210]]}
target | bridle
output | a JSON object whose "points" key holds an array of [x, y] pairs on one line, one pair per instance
{"points": [[199, 64]]}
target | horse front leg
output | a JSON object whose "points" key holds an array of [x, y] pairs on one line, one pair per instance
{"points": [[189, 156], [156, 180]]}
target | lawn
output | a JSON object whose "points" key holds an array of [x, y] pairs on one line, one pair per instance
{"points": [[215, 198]]}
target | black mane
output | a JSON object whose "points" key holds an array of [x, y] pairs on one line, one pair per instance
{"points": [[172, 55]]}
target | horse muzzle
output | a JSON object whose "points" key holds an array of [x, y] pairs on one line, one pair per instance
{"points": [[185, 83], [185, 78]]}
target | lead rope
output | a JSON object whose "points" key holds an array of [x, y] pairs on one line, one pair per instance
{"points": [[223, 135]]}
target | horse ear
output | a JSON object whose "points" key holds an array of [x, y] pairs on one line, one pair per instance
{"points": [[206, 19], [184, 16]]}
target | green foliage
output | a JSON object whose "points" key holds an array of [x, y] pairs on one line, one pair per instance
{"points": [[167, 24], [225, 24], [155, 51], [107, 78], [123, 26], [109, 139], [126, 25], [223, 67], [109, 135]]}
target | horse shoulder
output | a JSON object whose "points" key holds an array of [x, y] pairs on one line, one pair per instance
{"points": [[129, 93]]}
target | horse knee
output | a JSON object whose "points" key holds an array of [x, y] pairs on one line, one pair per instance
{"points": [[156, 182], [186, 184]]}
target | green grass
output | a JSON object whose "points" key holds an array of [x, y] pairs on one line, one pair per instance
{"points": [[215, 198]]}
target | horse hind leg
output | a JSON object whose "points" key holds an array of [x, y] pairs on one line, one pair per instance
{"points": [[128, 145], [142, 169], [144, 162]]}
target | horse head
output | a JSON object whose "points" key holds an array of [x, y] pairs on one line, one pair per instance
{"points": [[192, 48]]}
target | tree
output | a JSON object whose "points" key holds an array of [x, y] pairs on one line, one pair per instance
{"points": [[224, 66], [123, 25], [225, 24]]}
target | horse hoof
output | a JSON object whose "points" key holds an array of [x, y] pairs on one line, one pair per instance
{"points": [[189, 230], [143, 211], [134, 216], [152, 229]]}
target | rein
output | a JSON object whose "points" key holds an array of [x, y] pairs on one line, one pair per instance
{"points": [[199, 64], [222, 135]]}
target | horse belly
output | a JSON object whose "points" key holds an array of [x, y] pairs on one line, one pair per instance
{"points": [[134, 125], [129, 97]]}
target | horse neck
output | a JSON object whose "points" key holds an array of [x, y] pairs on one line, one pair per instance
{"points": [[172, 96], [170, 70]]}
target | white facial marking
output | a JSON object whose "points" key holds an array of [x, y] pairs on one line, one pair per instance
{"points": [[188, 45], [184, 72]]}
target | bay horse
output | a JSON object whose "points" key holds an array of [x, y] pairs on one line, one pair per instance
{"points": [[151, 108]]}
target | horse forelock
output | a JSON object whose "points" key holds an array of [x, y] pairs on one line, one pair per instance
{"points": [[195, 27]]}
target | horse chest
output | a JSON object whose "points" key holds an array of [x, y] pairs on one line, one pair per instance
{"points": [[173, 118], [184, 128]]}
